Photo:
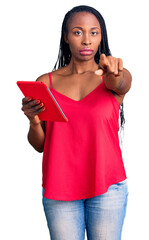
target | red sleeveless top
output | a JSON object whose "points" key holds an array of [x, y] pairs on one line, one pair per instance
{"points": [[82, 157]]}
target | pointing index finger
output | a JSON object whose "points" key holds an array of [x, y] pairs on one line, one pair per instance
{"points": [[103, 61]]}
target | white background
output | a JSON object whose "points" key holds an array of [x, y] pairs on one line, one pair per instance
{"points": [[30, 36]]}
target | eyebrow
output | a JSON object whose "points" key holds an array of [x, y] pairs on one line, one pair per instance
{"points": [[82, 28]]}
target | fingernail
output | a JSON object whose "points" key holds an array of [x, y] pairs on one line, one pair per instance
{"points": [[98, 72]]}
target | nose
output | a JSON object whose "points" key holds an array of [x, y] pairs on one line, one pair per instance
{"points": [[86, 39]]}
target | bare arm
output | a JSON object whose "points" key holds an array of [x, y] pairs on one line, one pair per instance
{"points": [[116, 78], [31, 108], [36, 135], [119, 84]]}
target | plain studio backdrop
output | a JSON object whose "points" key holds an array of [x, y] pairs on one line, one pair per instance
{"points": [[30, 37]]}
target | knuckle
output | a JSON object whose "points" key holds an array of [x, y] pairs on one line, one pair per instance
{"points": [[37, 107], [112, 70], [28, 104], [120, 59], [39, 110], [31, 103], [34, 101], [32, 114], [109, 57], [24, 100]]}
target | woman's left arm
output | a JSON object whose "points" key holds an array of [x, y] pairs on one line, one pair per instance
{"points": [[116, 77]]}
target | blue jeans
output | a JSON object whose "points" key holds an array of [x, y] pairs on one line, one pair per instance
{"points": [[102, 216]]}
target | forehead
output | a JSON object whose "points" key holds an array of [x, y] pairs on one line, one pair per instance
{"points": [[85, 19]]}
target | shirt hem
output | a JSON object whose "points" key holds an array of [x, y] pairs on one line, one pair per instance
{"points": [[83, 198]]}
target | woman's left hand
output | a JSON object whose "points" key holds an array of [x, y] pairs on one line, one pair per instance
{"points": [[110, 66]]}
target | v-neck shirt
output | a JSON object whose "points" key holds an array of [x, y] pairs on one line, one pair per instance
{"points": [[82, 157]]}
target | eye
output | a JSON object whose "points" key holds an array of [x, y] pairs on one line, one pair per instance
{"points": [[77, 33], [94, 33]]}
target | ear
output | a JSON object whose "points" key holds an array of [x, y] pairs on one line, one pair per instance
{"points": [[65, 38]]}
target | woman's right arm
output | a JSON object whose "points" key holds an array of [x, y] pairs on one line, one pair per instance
{"points": [[36, 135], [31, 108]]}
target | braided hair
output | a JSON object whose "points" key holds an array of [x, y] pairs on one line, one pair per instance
{"points": [[64, 55]]}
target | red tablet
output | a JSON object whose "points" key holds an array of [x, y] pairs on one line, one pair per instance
{"points": [[39, 90]]}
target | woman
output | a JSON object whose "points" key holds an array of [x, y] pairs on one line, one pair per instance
{"points": [[84, 180]]}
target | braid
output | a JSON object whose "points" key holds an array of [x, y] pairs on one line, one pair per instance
{"points": [[122, 116], [122, 122]]}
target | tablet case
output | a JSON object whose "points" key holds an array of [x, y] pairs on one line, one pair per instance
{"points": [[39, 90]]}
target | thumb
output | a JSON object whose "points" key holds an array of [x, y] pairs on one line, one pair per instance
{"points": [[99, 72]]}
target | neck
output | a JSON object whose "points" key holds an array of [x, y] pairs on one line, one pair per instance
{"points": [[76, 67]]}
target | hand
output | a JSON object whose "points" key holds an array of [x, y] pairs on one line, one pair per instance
{"points": [[31, 109], [110, 66]]}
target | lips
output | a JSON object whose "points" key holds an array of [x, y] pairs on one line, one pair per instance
{"points": [[86, 51]]}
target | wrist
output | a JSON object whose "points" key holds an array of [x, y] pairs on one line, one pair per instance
{"points": [[34, 124], [112, 81]]}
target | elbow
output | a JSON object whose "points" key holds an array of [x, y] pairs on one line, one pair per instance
{"points": [[127, 80], [39, 148]]}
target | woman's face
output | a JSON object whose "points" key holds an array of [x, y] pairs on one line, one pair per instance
{"points": [[84, 35]]}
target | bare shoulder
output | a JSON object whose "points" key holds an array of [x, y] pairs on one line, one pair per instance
{"points": [[45, 77], [60, 72]]}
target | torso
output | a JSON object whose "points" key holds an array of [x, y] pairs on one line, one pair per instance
{"points": [[75, 86]]}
